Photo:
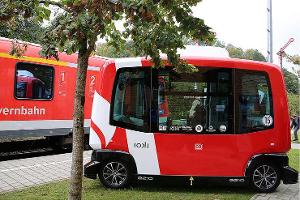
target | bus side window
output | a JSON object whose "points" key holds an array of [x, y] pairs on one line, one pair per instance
{"points": [[199, 102], [131, 99], [34, 81], [253, 101]]}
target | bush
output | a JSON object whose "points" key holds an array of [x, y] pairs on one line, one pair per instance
{"points": [[294, 101]]}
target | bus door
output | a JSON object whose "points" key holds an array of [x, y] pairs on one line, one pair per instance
{"points": [[196, 135]]}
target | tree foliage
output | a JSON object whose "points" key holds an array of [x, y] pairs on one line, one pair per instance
{"points": [[294, 102], [291, 82], [249, 54], [153, 26], [295, 59], [29, 30], [107, 50], [254, 54]]}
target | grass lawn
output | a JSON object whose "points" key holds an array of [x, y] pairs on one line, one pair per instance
{"points": [[92, 189], [294, 159]]}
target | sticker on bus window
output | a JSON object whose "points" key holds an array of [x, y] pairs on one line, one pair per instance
{"points": [[211, 129], [162, 128], [267, 120], [223, 128], [174, 128], [186, 128], [199, 128]]}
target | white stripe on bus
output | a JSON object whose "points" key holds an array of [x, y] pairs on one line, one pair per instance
{"points": [[100, 116], [143, 149], [94, 140], [128, 62]]}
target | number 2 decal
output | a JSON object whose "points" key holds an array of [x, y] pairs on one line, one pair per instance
{"points": [[92, 82]]}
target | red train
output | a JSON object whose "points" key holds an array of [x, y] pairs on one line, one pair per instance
{"points": [[36, 94]]}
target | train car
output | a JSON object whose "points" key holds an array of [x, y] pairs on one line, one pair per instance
{"points": [[227, 121], [37, 94]]}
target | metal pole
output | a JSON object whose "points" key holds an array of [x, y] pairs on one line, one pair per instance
{"points": [[270, 32]]}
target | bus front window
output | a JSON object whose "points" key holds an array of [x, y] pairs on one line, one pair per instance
{"points": [[254, 102]]}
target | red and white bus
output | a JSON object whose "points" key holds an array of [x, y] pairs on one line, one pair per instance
{"points": [[37, 94], [228, 121]]}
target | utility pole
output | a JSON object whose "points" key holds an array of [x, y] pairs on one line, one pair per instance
{"points": [[270, 32]]}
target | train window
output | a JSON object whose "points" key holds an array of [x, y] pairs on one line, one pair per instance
{"points": [[253, 101], [131, 100], [199, 102], [34, 81]]}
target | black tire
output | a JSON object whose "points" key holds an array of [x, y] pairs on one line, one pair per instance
{"points": [[265, 177], [115, 174]]}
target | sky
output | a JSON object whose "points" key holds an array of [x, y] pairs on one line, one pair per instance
{"points": [[243, 23]]}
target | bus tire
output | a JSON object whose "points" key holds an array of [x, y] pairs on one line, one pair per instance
{"points": [[265, 177], [115, 174]]}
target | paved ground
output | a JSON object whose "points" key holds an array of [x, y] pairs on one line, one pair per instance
{"points": [[283, 192], [18, 174], [295, 146]]}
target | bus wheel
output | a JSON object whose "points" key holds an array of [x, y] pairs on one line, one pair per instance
{"points": [[265, 178], [115, 174]]}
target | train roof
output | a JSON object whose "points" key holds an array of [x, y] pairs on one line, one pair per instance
{"points": [[34, 49]]}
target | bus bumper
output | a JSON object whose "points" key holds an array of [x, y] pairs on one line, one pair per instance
{"points": [[290, 175], [91, 169]]}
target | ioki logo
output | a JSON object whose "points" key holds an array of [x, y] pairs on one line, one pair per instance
{"points": [[140, 145]]}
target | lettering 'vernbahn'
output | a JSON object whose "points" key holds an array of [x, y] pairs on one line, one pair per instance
{"points": [[23, 111]]}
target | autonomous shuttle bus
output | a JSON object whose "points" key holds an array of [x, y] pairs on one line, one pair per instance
{"points": [[227, 121]]}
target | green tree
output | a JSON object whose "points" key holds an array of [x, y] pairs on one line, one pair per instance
{"points": [[29, 30], [295, 59], [107, 50], [294, 102], [235, 52], [291, 82], [249, 54], [254, 54], [153, 25], [219, 43]]}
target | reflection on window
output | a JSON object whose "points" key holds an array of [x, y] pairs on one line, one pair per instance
{"points": [[254, 106], [196, 102], [33, 81], [21, 89], [131, 99]]}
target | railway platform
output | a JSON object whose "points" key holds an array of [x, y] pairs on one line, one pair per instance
{"points": [[22, 173]]}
